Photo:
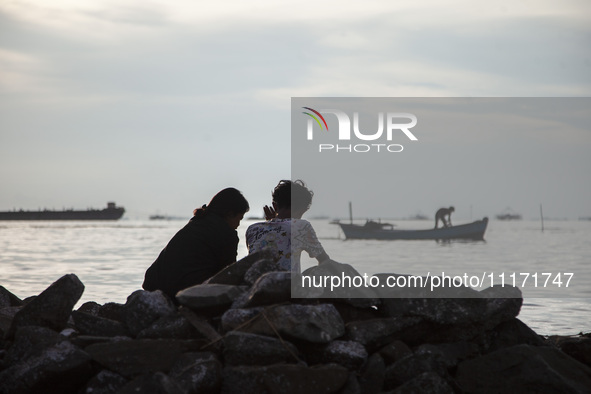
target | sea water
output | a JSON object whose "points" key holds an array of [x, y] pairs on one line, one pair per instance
{"points": [[110, 258]]}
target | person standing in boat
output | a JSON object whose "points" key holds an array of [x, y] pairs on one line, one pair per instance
{"points": [[441, 214], [206, 245], [285, 233]]}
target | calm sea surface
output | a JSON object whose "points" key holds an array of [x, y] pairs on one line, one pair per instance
{"points": [[110, 258]]}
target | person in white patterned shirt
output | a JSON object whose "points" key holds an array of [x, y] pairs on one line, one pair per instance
{"points": [[285, 233]]}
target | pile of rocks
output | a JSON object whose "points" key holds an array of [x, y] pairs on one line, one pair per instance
{"points": [[241, 332]]}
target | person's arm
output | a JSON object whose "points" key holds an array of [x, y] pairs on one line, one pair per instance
{"points": [[322, 257]]}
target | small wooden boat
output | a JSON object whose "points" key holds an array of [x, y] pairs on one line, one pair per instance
{"points": [[385, 231]]}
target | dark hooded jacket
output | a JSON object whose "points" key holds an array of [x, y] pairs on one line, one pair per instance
{"points": [[202, 248]]}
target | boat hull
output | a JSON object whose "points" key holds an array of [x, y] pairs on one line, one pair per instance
{"points": [[110, 213], [470, 231]]}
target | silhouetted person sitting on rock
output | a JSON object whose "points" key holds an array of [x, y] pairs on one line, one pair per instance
{"points": [[441, 214], [285, 232], [206, 245]]}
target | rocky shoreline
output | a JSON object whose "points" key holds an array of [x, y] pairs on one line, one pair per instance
{"points": [[241, 332]]}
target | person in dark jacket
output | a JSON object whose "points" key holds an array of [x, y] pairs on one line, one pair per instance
{"points": [[206, 245]]}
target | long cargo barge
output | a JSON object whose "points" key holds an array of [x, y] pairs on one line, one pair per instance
{"points": [[112, 212]]}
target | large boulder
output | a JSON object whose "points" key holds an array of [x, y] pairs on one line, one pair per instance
{"points": [[209, 298], [260, 268], [105, 382], [233, 319], [175, 326], [135, 357], [152, 383], [198, 373], [29, 341], [372, 375], [311, 323], [88, 324], [145, 307], [426, 382], [509, 333], [376, 333], [7, 299], [284, 378], [271, 288], [524, 368], [412, 366], [350, 354], [578, 347], [234, 273], [241, 348], [61, 368], [51, 308]]}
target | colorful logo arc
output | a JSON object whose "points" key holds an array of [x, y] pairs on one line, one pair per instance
{"points": [[315, 118]]}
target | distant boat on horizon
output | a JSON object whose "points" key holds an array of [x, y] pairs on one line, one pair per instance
{"points": [[508, 214], [112, 212], [165, 217]]}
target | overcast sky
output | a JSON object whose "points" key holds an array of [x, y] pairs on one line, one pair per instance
{"points": [[157, 105]]}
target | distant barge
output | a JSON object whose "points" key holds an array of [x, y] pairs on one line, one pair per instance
{"points": [[112, 212]]}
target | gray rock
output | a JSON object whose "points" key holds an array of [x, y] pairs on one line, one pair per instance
{"points": [[83, 341], [427, 382], [442, 311], [6, 316], [312, 323], [30, 340], [351, 313], [135, 357], [524, 368], [373, 374], [198, 373], [170, 327], [61, 368], [449, 353], [350, 354], [145, 307], [88, 324], [90, 307], [232, 319], [7, 299], [52, 307], [234, 273], [284, 378], [509, 333], [376, 333], [113, 311], [271, 288], [394, 351], [242, 348], [578, 348], [502, 304], [209, 298], [259, 268], [105, 382], [488, 307], [157, 383], [352, 386], [411, 367]]}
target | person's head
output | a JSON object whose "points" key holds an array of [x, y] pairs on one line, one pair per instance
{"points": [[229, 204], [452, 209], [294, 196]]}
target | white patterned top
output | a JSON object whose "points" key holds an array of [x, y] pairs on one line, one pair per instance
{"points": [[287, 238]]}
